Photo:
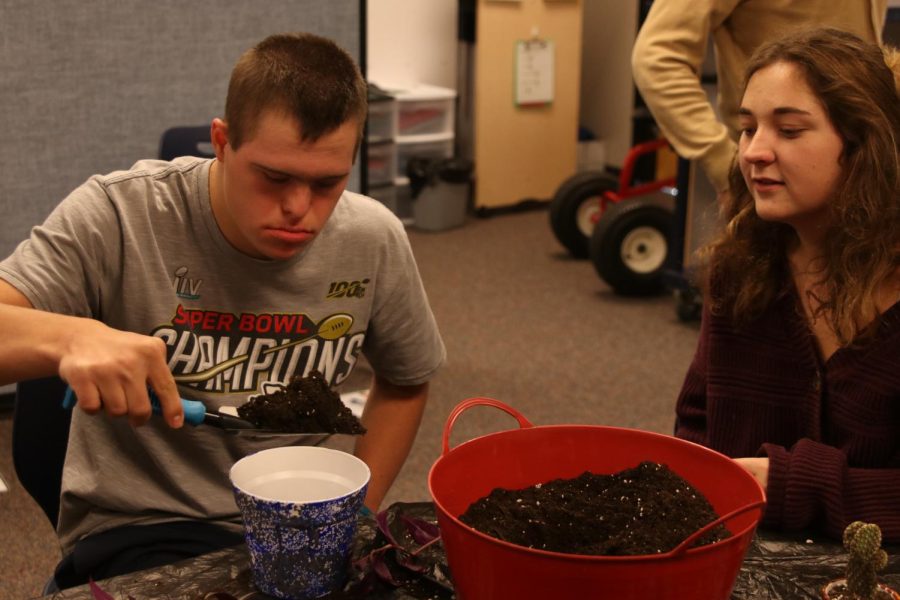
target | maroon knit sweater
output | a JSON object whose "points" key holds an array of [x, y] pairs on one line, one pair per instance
{"points": [[831, 431]]}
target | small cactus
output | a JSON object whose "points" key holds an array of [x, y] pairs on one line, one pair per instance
{"points": [[863, 542]]}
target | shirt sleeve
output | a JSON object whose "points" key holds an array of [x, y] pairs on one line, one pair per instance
{"points": [[666, 61], [403, 343], [65, 263]]}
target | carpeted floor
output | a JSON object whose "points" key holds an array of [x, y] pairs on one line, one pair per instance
{"points": [[522, 323], [29, 551]]}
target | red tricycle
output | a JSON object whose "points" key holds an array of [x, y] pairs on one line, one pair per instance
{"points": [[626, 241]]}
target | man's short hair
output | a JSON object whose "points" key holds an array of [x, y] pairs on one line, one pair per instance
{"points": [[303, 75]]}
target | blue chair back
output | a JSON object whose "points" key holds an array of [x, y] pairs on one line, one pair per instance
{"points": [[186, 141], [40, 435]]}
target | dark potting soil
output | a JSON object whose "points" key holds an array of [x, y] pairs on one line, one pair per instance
{"points": [[306, 405], [644, 510]]}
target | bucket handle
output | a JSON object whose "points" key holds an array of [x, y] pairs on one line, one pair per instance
{"points": [[467, 404], [683, 546]]}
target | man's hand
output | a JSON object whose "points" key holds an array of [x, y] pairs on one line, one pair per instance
{"points": [[758, 467], [110, 370], [107, 369]]}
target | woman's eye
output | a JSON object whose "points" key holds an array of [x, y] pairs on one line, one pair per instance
{"points": [[748, 131], [790, 133]]}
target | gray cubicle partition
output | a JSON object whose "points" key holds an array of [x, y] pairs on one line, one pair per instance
{"points": [[89, 87]]}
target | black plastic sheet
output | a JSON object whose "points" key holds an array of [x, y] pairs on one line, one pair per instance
{"points": [[777, 566], [796, 566]]}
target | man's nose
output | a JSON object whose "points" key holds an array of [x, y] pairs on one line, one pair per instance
{"points": [[296, 199]]}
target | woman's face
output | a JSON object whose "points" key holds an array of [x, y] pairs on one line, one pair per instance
{"points": [[789, 150]]}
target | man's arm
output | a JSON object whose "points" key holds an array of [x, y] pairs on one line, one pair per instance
{"points": [[107, 369], [665, 63], [392, 418]]}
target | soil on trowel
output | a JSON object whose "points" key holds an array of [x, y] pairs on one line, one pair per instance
{"points": [[306, 405], [644, 510]]}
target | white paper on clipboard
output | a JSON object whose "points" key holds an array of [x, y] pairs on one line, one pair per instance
{"points": [[534, 72]]}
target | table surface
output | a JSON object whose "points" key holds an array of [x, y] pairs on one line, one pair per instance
{"points": [[776, 566]]}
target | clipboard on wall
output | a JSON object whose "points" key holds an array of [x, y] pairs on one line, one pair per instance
{"points": [[534, 72]]}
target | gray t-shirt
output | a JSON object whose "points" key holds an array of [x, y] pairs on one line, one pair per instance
{"points": [[141, 251]]}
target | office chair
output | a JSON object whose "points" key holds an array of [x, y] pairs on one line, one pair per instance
{"points": [[40, 434], [186, 141]]}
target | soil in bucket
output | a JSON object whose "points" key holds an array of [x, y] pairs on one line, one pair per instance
{"points": [[647, 509], [305, 405]]}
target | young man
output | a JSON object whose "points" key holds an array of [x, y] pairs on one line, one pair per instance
{"points": [[215, 280]]}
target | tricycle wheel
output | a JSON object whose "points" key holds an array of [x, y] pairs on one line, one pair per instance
{"points": [[573, 207], [630, 244]]}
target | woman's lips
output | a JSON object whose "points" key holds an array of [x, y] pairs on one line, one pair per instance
{"points": [[764, 184]]}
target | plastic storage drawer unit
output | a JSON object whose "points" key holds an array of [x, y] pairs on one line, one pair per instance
{"points": [[380, 163], [397, 198], [440, 148], [425, 110], [381, 121]]}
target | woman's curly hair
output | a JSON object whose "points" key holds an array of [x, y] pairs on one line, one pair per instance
{"points": [[857, 82]]}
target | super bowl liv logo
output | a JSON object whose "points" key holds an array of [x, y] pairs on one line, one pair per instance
{"points": [[186, 287]]}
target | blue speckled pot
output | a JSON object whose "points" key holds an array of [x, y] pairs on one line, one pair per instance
{"points": [[299, 506]]}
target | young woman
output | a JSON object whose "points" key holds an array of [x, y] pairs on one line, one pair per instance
{"points": [[797, 371]]}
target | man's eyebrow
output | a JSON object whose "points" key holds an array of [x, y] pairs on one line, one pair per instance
{"points": [[781, 110], [268, 169]]}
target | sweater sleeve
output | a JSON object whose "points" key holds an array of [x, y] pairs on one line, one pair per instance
{"points": [[666, 60], [811, 483]]}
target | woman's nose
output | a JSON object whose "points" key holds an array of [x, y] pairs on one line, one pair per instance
{"points": [[758, 148]]}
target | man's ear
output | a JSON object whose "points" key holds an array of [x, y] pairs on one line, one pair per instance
{"points": [[218, 135]]}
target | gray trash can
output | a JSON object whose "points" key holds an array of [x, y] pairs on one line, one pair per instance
{"points": [[440, 191]]}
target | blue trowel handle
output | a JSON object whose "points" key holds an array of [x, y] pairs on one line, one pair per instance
{"points": [[194, 411]]}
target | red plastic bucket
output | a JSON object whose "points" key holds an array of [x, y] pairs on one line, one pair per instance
{"points": [[484, 567]]}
